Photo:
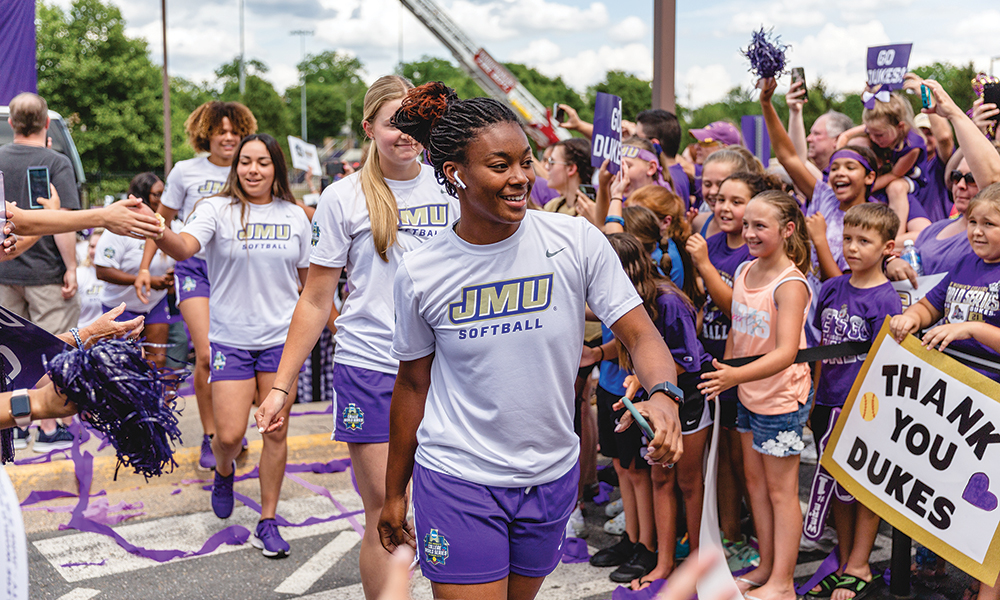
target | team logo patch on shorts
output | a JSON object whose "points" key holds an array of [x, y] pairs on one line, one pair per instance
{"points": [[219, 362], [354, 417], [315, 234], [189, 284], [435, 548]]}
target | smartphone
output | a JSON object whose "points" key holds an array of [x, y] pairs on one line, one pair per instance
{"points": [[991, 95], [925, 96], [38, 185], [589, 190], [799, 74], [557, 113]]}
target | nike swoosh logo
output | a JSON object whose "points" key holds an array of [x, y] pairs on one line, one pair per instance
{"points": [[551, 254]]}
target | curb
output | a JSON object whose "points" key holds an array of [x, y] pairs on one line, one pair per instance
{"points": [[61, 475]]}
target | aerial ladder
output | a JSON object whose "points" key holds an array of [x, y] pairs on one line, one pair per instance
{"points": [[489, 73]]}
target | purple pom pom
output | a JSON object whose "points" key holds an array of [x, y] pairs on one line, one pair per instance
{"points": [[121, 395], [766, 55]]}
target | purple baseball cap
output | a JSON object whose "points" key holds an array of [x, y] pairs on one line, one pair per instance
{"points": [[719, 131]]}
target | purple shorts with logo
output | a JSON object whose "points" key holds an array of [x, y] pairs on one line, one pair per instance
{"points": [[160, 313], [469, 533], [233, 364], [361, 404], [191, 279]]}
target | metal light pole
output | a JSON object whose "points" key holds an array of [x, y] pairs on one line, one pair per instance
{"points": [[302, 33], [243, 70], [168, 159], [664, 46]]}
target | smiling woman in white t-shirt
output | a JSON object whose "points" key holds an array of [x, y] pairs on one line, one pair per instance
{"points": [[256, 246], [482, 410], [363, 224]]}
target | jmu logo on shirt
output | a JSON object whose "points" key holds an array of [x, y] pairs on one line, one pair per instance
{"points": [[502, 299], [435, 548], [354, 417], [219, 362], [210, 188], [189, 284], [265, 231], [431, 215], [751, 322]]}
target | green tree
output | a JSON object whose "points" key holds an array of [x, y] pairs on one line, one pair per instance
{"points": [[636, 93], [547, 90], [429, 68], [104, 83], [267, 104], [332, 79]]}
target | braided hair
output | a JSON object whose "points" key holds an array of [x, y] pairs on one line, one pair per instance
{"points": [[434, 116]]}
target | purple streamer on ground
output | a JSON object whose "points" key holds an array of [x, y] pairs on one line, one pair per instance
{"points": [[121, 395], [175, 492], [766, 55], [327, 411], [624, 593], [37, 496], [829, 565], [743, 571], [83, 564], [329, 496], [575, 551]]}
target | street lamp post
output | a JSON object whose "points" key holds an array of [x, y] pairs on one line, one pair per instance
{"points": [[302, 33]]}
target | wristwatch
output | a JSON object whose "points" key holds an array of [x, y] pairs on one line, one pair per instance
{"points": [[672, 391], [20, 408]]}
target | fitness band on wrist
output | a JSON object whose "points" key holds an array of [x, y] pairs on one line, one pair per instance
{"points": [[601, 348], [76, 336], [614, 219]]}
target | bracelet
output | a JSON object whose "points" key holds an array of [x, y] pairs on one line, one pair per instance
{"points": [[614, 219], [76, 336], [618, 199], [601, 348], [280, 390], [144, 270]]}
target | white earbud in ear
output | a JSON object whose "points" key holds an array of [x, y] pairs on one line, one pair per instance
{"points": [[458, 182]]}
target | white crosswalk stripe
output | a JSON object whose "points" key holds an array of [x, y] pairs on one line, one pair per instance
{"points": [[305, 576], [80, 594]]}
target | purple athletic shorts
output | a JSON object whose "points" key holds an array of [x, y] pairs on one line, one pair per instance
{"points": [[160, 313], [233, 364], [469, 533], [361, 404], [191, 279]]}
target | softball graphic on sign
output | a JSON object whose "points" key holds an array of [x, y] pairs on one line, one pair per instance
{"points": [[868, 406]]}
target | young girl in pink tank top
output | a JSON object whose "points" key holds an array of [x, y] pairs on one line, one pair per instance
{"points": [[770, 300]]}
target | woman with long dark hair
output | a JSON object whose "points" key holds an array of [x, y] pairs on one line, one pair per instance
{"points": [[256, 243]]}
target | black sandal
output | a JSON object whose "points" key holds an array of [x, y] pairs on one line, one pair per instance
{"points": [[826, 585], [860, 587]]}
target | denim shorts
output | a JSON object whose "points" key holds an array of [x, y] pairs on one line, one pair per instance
{"points": [[774, 435]]}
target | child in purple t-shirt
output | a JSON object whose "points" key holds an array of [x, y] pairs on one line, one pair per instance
{"points": [[971, 290], [851, 309]]}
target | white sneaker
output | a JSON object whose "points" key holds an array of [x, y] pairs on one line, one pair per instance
{"points": [[575, 527], [613, 509], [616, 526], [825, 543]]}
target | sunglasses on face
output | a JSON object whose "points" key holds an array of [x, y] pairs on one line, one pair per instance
{"points": [[957, 176]]}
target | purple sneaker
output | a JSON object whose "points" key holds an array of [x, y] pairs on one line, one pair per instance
{"points": [[206, 462], [269, 540], [222, 494]]}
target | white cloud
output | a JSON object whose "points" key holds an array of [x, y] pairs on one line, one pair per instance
{"points": [[630, 29], [589, 67], [540, 49], [778, 14], [838, 54], [703, 84]]}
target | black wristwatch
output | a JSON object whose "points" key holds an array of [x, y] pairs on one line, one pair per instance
{"points": [[672, 391], [20, 408]]}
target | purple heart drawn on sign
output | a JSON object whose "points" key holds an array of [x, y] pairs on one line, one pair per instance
{"points": [[977, 492]]}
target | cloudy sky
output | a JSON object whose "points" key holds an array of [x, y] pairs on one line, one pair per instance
{"points": [[577, 39]]}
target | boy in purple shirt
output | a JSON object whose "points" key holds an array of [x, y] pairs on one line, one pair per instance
{"points": [[852, 308]]}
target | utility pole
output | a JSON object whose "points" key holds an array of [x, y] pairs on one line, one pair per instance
{"points": [[664, 48], [168, 159], [243, 68], [302, 33]]}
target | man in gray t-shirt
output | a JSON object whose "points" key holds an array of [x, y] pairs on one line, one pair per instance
{"points": [[40, 284]]}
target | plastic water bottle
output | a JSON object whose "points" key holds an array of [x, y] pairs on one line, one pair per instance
{"points": [[912, 255]]}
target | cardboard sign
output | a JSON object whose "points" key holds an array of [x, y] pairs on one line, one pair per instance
{"points": [[757, 140], [304, 155], [918, 442], [910, 295], [24, 347], [607, 138], [887, 65]]}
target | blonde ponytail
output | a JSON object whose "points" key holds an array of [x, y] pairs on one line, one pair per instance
{"points": [[379, 199]]}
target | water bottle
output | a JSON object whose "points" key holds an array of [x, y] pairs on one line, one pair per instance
{"points": [[912, 255]]}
